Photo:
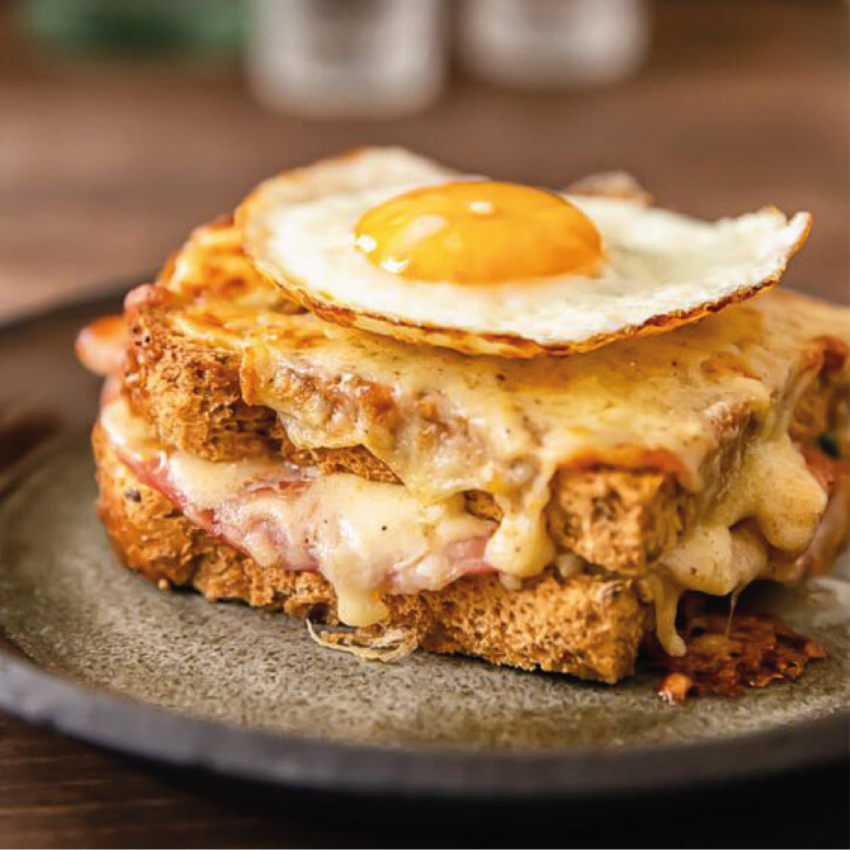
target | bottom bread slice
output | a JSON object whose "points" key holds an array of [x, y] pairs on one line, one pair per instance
{"points": [[590, 626]]}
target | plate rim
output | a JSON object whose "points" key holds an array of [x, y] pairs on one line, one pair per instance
{"points": [[126, 725], [134, 728]]}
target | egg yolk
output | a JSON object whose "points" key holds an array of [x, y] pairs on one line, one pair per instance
{"points": [[479, 232]]}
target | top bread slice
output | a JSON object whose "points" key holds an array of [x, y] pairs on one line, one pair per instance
{"points": [[186, 375]]}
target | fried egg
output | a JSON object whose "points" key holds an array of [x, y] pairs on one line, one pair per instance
{"points": [[395, 244]]}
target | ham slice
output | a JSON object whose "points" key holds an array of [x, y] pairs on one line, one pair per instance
{"points": [[367, 538]]}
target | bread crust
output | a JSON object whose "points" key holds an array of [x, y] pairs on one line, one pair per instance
{"points": [[587, 625]]}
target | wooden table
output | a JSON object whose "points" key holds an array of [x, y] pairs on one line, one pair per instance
{"points": [[103, 169]]}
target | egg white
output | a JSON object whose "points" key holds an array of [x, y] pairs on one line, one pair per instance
{"points": [[656, 264]]}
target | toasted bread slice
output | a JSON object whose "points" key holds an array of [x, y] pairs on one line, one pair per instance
{"points": [[587, 625]]}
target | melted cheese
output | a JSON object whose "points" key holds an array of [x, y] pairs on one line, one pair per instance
{"points": [[512, 424], [211, 264], [777, 489], [446, 423], [366, 538], [782, 502]]}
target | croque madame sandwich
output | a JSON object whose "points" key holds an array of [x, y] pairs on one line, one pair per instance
{"points": [[474, 417]]}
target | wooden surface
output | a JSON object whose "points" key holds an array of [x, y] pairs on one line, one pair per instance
{"points": [[104, 168]]}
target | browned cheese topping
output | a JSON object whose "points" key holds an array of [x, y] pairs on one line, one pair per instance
{"points": [[728, 652]]}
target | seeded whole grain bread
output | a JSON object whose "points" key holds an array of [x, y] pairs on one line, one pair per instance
{"points": [[588, 625]]}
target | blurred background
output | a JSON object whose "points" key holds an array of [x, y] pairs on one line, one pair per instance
{"points": [[123, 123]]}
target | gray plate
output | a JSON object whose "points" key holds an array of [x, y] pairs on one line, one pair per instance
{"points": [[98, 652]]}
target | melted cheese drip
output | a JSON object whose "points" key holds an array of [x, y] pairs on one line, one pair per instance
{"points": [[366, 538], [775, 490]]}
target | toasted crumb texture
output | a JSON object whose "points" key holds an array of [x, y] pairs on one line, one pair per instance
{"points": [[587, 625], [617, 517], [188, 390]]}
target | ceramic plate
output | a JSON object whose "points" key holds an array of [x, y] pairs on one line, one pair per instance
{"points": [[98, 652]]}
